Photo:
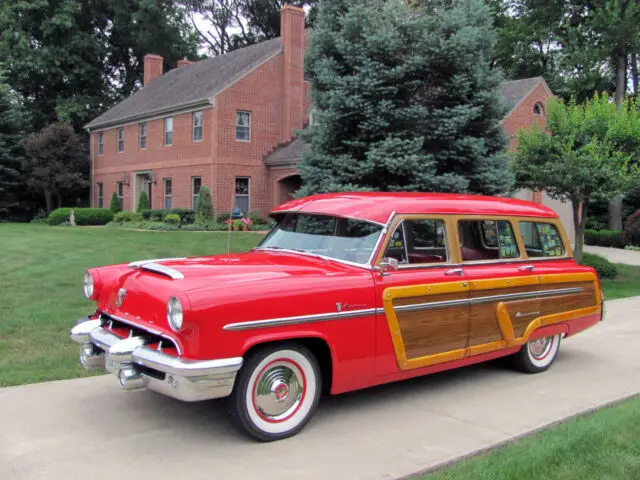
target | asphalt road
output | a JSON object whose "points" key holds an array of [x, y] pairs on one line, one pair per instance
{"points": [[89, 428]]}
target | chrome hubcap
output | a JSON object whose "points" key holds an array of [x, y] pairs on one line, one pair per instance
{"points": [[540, 347], [278, 391]]}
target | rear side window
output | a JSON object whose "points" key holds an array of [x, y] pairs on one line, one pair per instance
{"points": [[487, 240], [541, 239]]}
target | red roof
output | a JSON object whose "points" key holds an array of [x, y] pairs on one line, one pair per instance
{"points": [[378, 206]]}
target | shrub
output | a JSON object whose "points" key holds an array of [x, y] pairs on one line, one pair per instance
{"points": [[616, 239], [604, 267], [172, 219], [590, 237], [160, 226], [127, 217], [114, 206], [143, 202], [196, 227], [604, 238], [204, 206], [631, 234], [83, 216], [223, 217], [187, 216], [256, 217]]}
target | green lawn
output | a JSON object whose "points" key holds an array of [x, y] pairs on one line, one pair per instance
{"points": [[626, 284], [601, 445], [41, 287]]}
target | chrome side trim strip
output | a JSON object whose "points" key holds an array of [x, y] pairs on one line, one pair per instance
{"points": [[488, 299], [320, 317], [324, 317]]}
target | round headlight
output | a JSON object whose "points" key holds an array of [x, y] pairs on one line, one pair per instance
{"points": [[88, 285], [174, 313]]}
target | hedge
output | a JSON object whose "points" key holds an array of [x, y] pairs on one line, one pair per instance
{"points": [[604, 267], [590, 237], [127, 217], [82, 216], [632, 230], [187, 216]]}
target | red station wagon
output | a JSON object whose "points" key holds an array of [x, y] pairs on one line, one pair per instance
{"points": [[346, 291]]}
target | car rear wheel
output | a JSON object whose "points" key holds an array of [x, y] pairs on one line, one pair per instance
{"points": [[537, 355], [276, 392]]}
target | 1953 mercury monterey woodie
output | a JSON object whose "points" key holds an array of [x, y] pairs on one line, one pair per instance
{"points": [[345, 292]]}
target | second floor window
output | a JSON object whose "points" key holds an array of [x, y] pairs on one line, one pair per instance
{"points": [[143, 135], [168, 131], [243, 126], [100, 143], [196, 182], [121, 139], [120, 192], [197, 126], [100, 195], [168, 200]]}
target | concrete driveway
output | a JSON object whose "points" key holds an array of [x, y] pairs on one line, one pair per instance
{"points": [[89, 428], [615, 255]]}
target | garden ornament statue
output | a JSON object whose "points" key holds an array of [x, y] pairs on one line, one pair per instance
{"points": [[72, 219]]}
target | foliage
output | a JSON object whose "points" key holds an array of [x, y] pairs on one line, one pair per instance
{"points": [[237, 23], [586, 155], [127, 217], [590, 237], [172, 219], [83, 216], [404, 101], [13, 122], [72, 59], [161, 226], [631, 234], [204, 206], [256, 217], [115, 206], [604, 267], [187, 215], [143, 202], [615, 237], [56, 163]]}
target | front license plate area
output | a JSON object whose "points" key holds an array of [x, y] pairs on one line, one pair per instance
{"points": [[111, 365]]}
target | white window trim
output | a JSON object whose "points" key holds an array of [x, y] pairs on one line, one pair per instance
{"points": [[236, 128], [194, 196], [164, 192], [100, 144], [140, 136], [248, 194], [165, 131], [193, 126], [118, 139]]}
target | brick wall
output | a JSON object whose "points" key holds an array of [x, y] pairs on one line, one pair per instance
{"points": [[523, 116]]}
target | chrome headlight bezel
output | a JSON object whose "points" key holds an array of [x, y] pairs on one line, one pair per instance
{"points": [[175, 314], [88, 285]]}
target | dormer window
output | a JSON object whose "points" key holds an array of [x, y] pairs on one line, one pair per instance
{"points": [[538, 109]]}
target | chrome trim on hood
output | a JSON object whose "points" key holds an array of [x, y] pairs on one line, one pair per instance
{"points": [[162, 269], [155, 260]]}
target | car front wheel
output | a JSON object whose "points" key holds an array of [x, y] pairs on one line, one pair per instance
{"points": [[276, 392], [537, 355]]}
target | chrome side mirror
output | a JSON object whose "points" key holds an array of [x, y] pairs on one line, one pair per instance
{"points": [[388, 265]]}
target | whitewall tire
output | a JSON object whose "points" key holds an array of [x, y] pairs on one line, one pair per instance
{"points": [[537, 355], [276, 392]]}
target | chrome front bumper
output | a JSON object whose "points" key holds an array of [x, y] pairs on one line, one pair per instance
{"points": [[139, 367]]}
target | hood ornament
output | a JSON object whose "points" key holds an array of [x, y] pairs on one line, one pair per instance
{"points": [[120, 298]]}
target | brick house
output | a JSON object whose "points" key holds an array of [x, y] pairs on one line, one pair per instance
{"points": [[229, 123]]}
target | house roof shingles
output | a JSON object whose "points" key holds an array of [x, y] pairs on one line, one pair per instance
{"points": [[188, 85], [515, 90]]}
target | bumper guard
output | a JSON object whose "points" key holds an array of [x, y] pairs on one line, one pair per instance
{"points": [[139, 367]]}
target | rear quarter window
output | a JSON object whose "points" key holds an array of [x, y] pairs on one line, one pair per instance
{"points": [[541, 239]]}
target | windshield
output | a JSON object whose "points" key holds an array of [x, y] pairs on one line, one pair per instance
{"points": [[334, 237]]}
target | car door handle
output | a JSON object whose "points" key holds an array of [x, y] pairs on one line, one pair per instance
{"points": [[454, 271], [531, 268]]}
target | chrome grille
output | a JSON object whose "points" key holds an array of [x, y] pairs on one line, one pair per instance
{"points": [[125, 330]]}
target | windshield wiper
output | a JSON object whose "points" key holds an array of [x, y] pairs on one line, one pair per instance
{"points": [[297, 250]]}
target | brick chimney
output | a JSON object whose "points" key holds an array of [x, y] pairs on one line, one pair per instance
{"points": [[293, 46], [182, 62], [153, 68]]}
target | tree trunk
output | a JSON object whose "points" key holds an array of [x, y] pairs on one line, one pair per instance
{"points": [[48, 200], [615, 213], [634, 74], [621, 78], [579, 221]]}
